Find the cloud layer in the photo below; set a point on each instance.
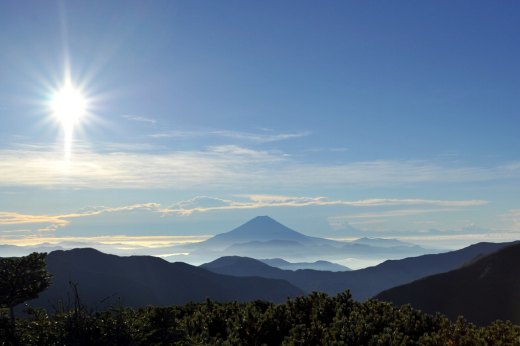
(205, 203)
(221, 166)
(202, 204)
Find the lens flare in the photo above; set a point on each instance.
(68, 106)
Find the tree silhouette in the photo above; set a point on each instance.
(22, 279)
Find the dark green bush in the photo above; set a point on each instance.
(316, 319)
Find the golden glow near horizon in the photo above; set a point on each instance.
(121, 240)
(68, 106)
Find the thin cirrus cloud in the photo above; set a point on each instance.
(399, 213)
(119, 240)
(13, 218)
(53, 222)
(221, 166)
(456, 240)
(256, 137)
(511, 220)
(140, 119)
(379, 217)
(202, 204)
(215, 166)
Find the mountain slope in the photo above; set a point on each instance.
(260, 229)
(264, 237)
(482, 291)
(143, 280)
(243, 266)
(317, 265)
(363, 283)
(381, 242)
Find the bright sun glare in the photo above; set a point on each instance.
(68, 106)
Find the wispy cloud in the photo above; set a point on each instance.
(345, 222)
(145, 241)
(456, 240)
(515, 216)
(257, 137)
(140, 119)
(398, 213)
(53, 222)
(16, 231)
(366, 222)
(414, 207)
(202, 204)
(331, 150)
(220, 166)
(13, 218)
(449, 240)
(216, 166)
(512, 220)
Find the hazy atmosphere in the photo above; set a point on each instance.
(136, 125)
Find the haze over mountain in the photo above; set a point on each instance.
(363, 283)
(104, 280)
(264, 237)
(259, 229)
(318, 265)
(381, 242)
(261, 237)
(482, 291)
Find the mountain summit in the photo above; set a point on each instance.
(261, 229)
(264, 237)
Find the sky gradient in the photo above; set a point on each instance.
(339, 119)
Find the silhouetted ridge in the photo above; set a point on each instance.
(317, 265)
(243, 266)
(147, 280)
(483, 291)
(363, 283)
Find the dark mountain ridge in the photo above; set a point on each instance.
(317, 265)
(363, 283)
(482, 291)
(144, 280)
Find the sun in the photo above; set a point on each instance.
(68, 106)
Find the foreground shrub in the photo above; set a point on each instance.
(316, 319)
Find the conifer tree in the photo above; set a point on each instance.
(22, 279)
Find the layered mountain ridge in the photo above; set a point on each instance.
(484, 290)
(363, 283)
(264, 237)
(102, 280)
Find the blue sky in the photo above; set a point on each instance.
(339, 119)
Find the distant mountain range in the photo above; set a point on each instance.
(381, 242)
(483, 291)
(263, 237)
(104, 280)
(363, 283)
(318, 265)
